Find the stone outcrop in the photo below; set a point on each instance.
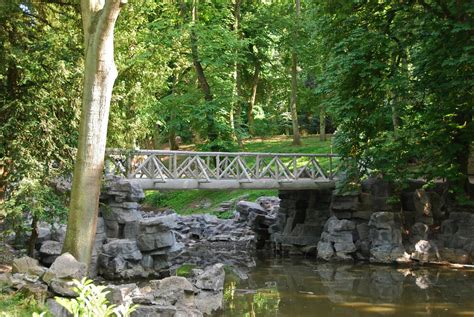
(301, 218)
(337, 240)
(382, 229)
(385, 236)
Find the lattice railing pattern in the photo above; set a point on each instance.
(207, 166)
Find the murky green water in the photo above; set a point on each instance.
(301, 287)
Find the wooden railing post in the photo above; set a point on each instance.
(174, 170)
(128, 172)
(295, 168)
(330, 167)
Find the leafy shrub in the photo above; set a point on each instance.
(32, 201)
(92, 302)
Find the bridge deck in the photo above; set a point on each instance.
(153, 169)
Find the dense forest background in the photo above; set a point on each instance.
(393, 80)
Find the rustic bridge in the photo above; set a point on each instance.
(153, 169)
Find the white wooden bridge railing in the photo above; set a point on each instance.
(155, 169)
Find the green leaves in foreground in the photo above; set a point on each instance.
(92, 302)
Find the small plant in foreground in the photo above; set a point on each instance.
(92, 302)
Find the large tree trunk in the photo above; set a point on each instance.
(294, 87)
(99, 75)
(253, 98)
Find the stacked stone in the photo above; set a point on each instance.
(136, 246)
(301, 219)
(337, 240)
(258, 218)
(385, 236)
(456, 240)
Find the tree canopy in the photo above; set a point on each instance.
(392, 79)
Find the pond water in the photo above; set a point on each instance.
(299, 287)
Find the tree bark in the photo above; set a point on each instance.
(236, 111)
(294, 85)
(206, 89)
(322, 124)
(100, 72)
(253, 98)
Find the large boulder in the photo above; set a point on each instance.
(62, 272)
(211, 279)
(65, 267)
(27, 265)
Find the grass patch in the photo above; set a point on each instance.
(186, 202)
(16, 304)
(311, 144)
(185, 270)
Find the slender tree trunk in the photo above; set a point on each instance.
(98, 19)
(236, 111)
(174, 146)
(294, 86)
(322, 123)
(206, 89)
(203, 83)
(253, 98)
(33, 237)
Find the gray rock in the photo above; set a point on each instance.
(65, 267)
(387, 254)
(56, 309)
(176, 291)
(335, 225)
(27, 265)
(382, 220)
(344, 202)
(455, 256)
(62, 287)
(147, 261)
(124, 248)
(149, 242)
(122, 294)
(158, 224)
(51, 248)
(212, 279)
(209, 302)
(58, 233)
(345, 247)
(325, 250)
(131, 230)
(154, 311)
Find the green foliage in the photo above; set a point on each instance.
(397, 81)
(32, 199)
(198, 201)
(92, 302)
(17, 305)
(185, 270)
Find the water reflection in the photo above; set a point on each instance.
(305, 288)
